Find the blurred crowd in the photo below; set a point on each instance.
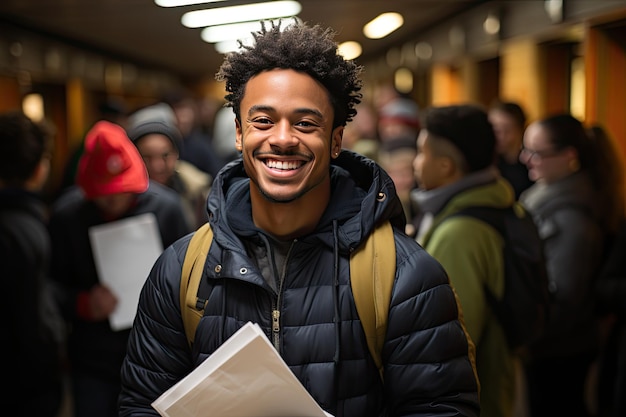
(162, 159)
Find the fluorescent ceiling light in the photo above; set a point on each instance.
(242, 13)
(383, 25)
(491, 25)
(232, 45)
(219, 33)
(178, 3)
(350, 50)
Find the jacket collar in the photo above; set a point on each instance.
(362, 196)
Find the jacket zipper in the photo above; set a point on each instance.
(276, 307)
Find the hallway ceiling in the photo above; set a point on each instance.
(142, 32)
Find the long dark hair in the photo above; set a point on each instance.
(597, 155)
(611, 168)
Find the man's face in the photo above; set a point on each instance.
(508, 133)
(286, 136)
(430, 166)
(114, 206)
(159, 155)
(544, 162)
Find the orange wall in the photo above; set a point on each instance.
(605, 62)
(522, 78)
(10, 96)
(445, 85)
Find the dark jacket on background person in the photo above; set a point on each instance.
(93, 347)
(566, 215)
(32, 337)
(196, 149)
(421, 378)
(611, 302)
(516, 174)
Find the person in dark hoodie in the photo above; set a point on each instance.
(32, 337)
(285, 219)
(112, 184)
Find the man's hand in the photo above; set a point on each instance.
(102, 302)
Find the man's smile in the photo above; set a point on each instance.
(283, 165)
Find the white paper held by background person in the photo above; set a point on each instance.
(124, 252)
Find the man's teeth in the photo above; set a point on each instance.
(283, 164)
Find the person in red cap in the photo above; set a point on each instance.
(111, 183)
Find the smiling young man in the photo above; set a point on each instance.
(285, 218)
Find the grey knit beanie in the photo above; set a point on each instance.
(158, 118)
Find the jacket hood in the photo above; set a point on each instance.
(362, 196)
(481, 188)
(497, 193)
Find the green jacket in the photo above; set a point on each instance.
(471, 252)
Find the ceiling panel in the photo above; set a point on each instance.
(146, 33)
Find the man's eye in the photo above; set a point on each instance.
(307, 123)
(261, 120)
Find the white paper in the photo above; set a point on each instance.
(244, 377)
(124, 252)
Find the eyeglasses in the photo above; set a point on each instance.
(527, 155)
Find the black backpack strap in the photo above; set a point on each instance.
(493, 216)
(202, 296)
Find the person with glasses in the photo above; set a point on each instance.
(574, 206)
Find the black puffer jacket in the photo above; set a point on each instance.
(427, 365)
(31, 334)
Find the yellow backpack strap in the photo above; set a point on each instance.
(372, 273)
(193, 266)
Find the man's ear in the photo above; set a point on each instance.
(238, 136)
(443, 162)
(39, 176)
(447, 166)
(336, 141)
(572, 157)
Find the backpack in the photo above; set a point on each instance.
(372, 273)
(524, 307)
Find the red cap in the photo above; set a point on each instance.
(110, 163)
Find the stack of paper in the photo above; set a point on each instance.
(245, 377)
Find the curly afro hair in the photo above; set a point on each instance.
(298, 46)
